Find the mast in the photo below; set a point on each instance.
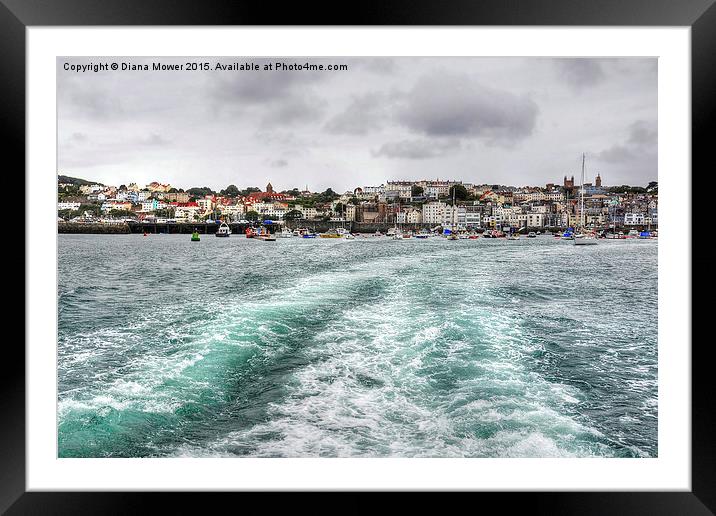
(453, 208)
(581, 197)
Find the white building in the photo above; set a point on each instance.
(186, 213)
(68, 206)
(434, 212)
(634, 219)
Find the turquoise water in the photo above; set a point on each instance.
(372, 347)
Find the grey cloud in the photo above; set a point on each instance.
(379, 65)
(616, 154)
(455, 105)
(416, 149)
(154, 140)
(280, 97)
(580, 73)
(293, 111)
(278, 163)
(639, 145)
(363, 115)
(257, 87)
(643, 133)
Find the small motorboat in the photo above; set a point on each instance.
(531, 234)
(250, 233)
(224, 230)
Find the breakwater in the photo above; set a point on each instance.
(207, 229)
(101, 229)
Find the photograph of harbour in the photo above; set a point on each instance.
(357, 257)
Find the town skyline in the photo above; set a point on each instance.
(307, 187)
(488, 120)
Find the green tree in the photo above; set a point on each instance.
(339, 208)
(416, 191)
(293, 215)
(252, 215)
(230, 191)
(460, 192)
(327, 196)
(94, 209)
(167, 213)
(200, 191)
(248, 191)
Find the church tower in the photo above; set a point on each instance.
(269, 188)
(598, 181)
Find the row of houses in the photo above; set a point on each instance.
(395, 202)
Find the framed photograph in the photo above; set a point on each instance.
(426, 251)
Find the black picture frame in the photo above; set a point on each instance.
(699, 15)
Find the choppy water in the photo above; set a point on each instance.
(372, 347)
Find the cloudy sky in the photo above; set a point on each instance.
(515, 121)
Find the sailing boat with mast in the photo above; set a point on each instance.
(582, 238)
(453, 233)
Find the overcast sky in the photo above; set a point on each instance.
(514, 121)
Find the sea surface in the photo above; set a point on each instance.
(366, 348)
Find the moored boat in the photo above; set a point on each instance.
(224, 230)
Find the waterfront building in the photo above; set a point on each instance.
(433, 212)
(68, 205)
(150, 205)
(634, 219)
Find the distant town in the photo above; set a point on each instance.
(433, 202)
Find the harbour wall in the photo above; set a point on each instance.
(206, 229)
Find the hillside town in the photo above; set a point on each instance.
(434, 202)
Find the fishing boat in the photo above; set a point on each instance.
(250, 233)
(331, 233)
(513, 236)
(285, 233)
(224, 230)
(308, 235)
(265, 235)
(195, 236)
(645, 234)
(583, 238)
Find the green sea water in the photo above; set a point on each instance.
(366, 348)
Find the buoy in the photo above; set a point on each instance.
(195, 236)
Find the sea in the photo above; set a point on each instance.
(373, 347)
